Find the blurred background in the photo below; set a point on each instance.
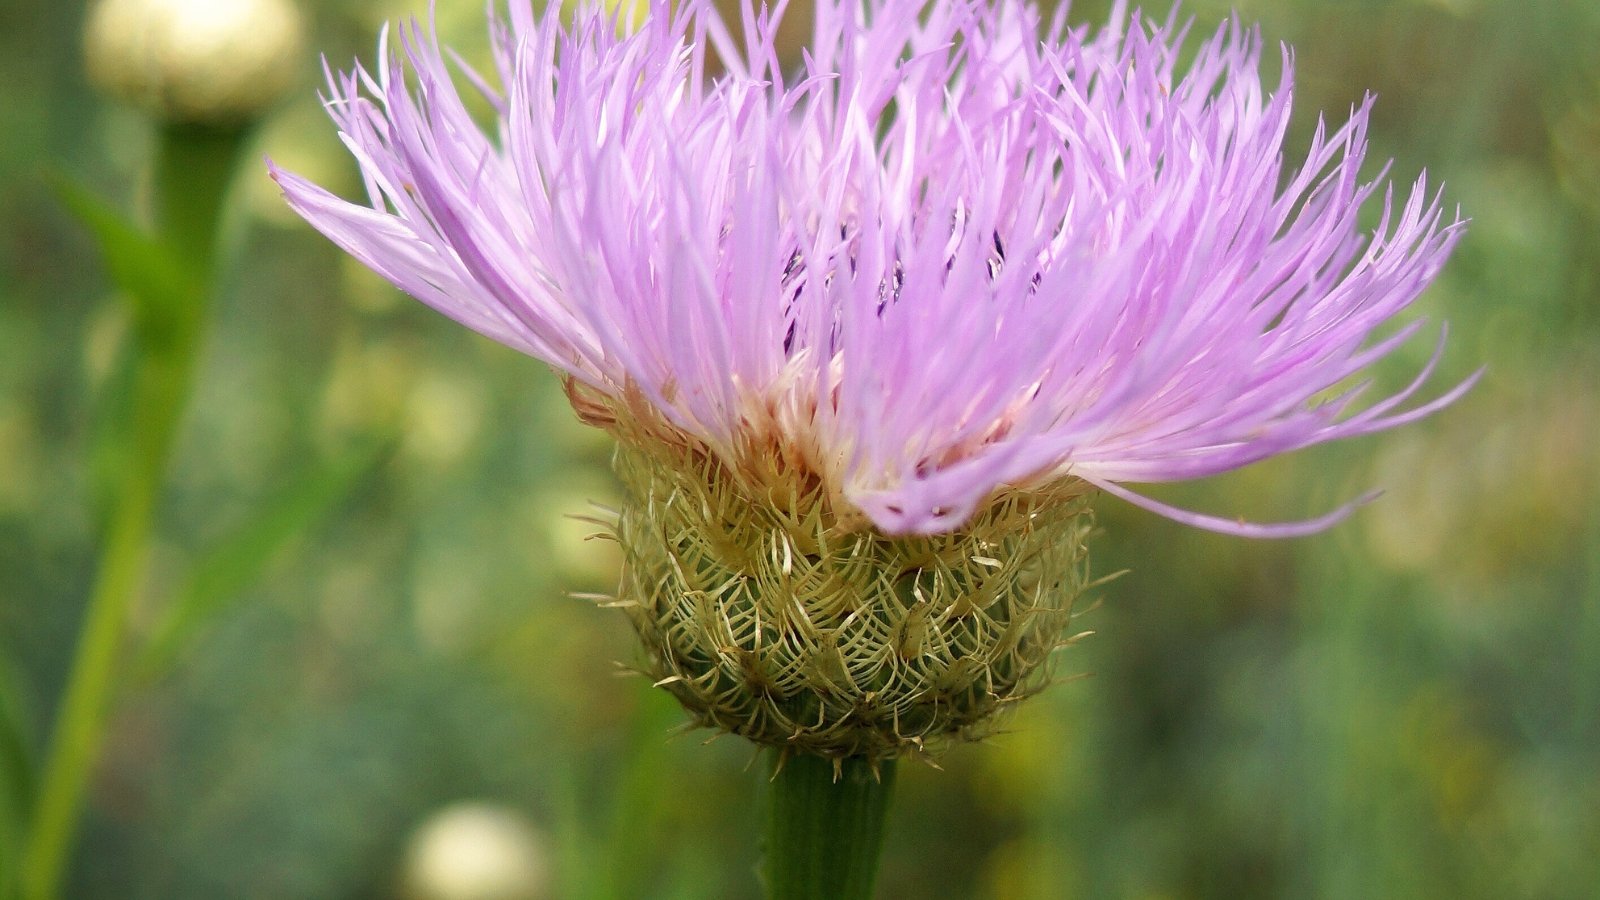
(1407, 706)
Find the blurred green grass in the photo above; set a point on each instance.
(1408, 706)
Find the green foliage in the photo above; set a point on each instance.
(227, 570)
(17, 776)
(1406, 707)
(163, 291)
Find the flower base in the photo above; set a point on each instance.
(771, 614)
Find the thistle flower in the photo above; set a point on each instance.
(870, 333)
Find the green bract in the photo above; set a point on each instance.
(769, 615)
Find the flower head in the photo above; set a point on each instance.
(863, 325)
(955, 251)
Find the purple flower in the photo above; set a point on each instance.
(959, 249)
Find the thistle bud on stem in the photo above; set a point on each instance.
(199, 61)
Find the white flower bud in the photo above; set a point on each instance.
(476, 851)
(210, 61)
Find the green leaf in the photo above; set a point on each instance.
(166, 295)
(234, 564)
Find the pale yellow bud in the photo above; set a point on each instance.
(206, 61)
(476, 851)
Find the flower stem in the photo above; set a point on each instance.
(194, 166)
(824, 828)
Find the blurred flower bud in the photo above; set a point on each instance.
(203, 61)
(476, 851)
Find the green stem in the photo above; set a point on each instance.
(824, 835)
(193, 169)
(81, 721)
(192, 173)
